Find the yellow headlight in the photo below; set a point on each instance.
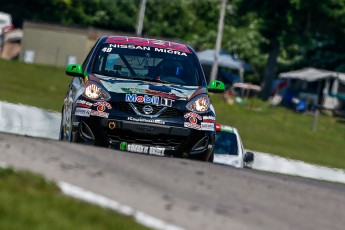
(200, 104)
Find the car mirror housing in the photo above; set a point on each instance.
(74, 70)
(216, 86)
(248, 157)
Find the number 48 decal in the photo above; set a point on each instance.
(108, 50)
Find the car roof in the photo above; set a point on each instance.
(161, 44)
(227, 128)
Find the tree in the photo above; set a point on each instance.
(299, 33)
(274, 24)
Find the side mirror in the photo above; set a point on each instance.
(216, 86)
(74, 70)
(248, 158)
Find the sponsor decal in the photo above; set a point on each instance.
(83, 103)
(156, 151)
(142, 99)
(99, 113)
(192, 125)
(162, 94)
(104, 103)
(207, 126)
(154, 121)
(135, 47)
(169, 51)
(145, 149)
(193, 120)
(83, 112)
(133, 90)
(155, 100)
(101, 108)
(137, 148)
(209, 118)
(166, 102)
(147, 43)
(191, 114)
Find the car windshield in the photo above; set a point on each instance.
(226, 143)
(150, 64)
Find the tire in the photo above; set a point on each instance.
(62, 131)
(71, 136)
(205, 156)
(211, 157)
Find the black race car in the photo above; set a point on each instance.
(141, 95)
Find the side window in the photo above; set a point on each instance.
(98, 66)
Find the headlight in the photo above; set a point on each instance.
(199, 104)
(96, 92)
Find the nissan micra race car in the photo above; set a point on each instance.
(141, 95)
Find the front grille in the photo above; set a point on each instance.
(132, 137)
(139, 107)
(169, 112)
(124, 107)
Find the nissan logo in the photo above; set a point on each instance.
(147, 109)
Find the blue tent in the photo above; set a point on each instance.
(227, 60)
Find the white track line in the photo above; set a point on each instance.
(93, 198)
(142, 218)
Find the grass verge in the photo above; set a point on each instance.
(284, 132)
(31, 84)
(28, 201)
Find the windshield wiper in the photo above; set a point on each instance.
(100, 73)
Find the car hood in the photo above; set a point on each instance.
(170, 91)
(226, 159)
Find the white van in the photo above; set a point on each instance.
(5, 22)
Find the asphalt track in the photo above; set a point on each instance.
(189, 194)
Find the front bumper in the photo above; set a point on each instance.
(147, 138)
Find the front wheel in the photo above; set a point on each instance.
(211, 157)
(206, 156)
(66, 128)
(62, 128)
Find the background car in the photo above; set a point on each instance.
(229, 149)
(141, 95)
(5, 22)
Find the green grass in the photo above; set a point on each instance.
(41, 86)
(283, 132)
(27, 201)
(275, 130)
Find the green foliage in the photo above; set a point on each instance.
(308, 33)
(28, 201)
